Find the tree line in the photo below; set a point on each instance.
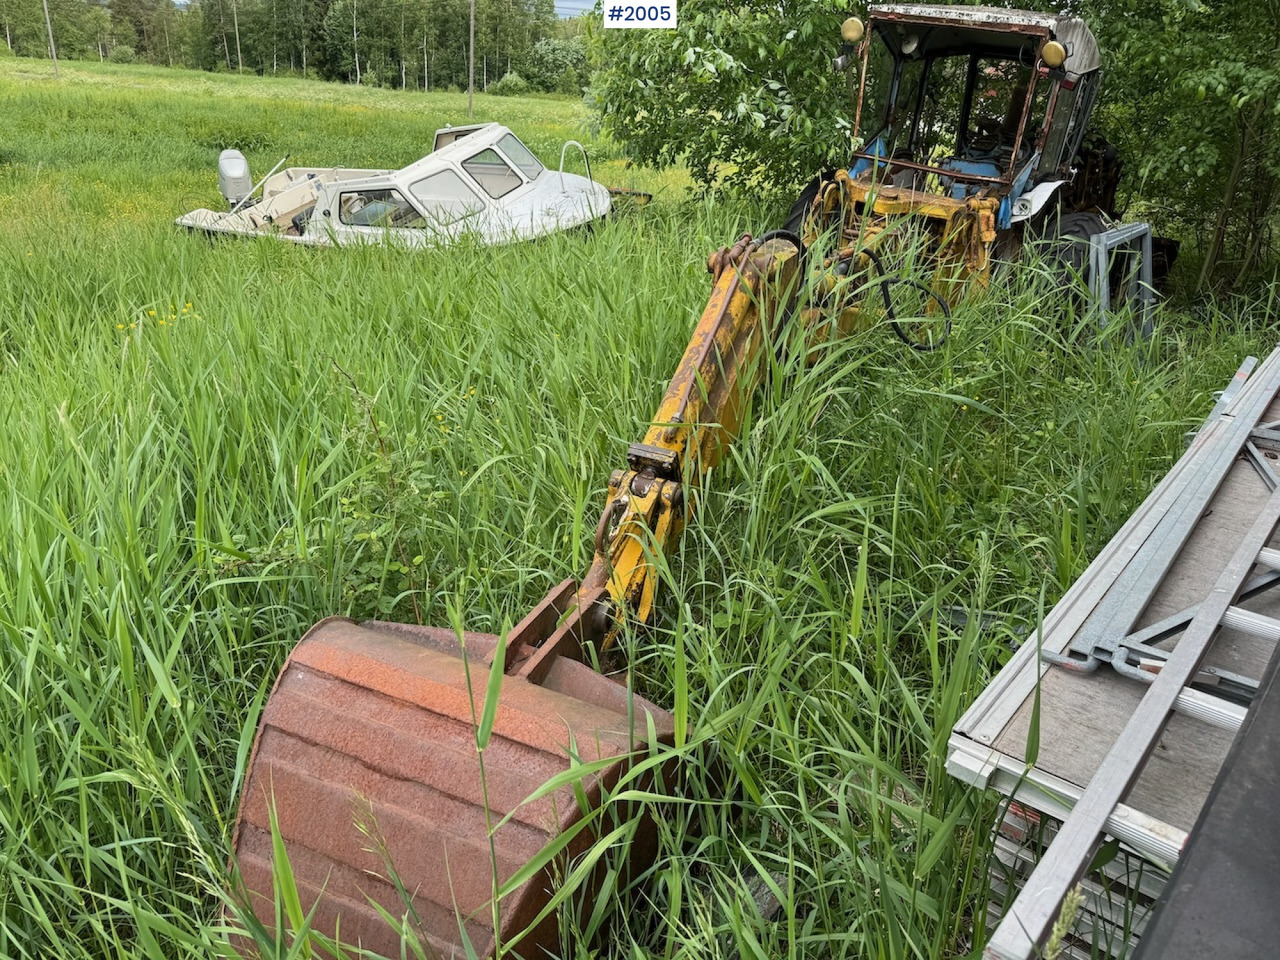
(414, 44)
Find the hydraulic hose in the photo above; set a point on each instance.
(886, 282)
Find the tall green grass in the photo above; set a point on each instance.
(208, 446)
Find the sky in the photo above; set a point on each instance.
(571, 8)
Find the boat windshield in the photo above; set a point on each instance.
(377, 208)
(521, 156)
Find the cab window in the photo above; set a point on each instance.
(492, 173)
(377, 208)
(445, 198)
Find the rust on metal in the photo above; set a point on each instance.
(1022, 121)
(987, 19)
(924, 167)
(538, 623)
(368, 742)
(864, 53)
(584, 624)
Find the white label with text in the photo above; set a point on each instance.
(659, 14)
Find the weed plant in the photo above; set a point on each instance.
(208, 446)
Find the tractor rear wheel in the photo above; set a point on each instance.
(1063, 242)
(1065, 246)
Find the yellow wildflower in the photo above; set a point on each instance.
(151, 313)
(119, 326)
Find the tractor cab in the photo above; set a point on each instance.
(964, 102)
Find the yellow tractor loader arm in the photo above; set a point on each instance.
(365, 760)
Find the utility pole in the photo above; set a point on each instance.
(53, 51)
(471, 62)
(222, 25)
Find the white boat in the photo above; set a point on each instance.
(478, 181)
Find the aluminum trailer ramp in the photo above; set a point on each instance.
(1221, 899)
(1137, 755)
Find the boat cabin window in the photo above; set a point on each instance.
(451, 134)
(521, 156)
(492, 173)
(377, 208)
(445, 198)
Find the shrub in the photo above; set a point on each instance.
(511, 85)
(122, 53)
(570, 82)
(557, 64)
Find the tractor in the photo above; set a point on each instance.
(972, 125)
(421, 774)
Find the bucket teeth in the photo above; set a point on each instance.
(367, 750)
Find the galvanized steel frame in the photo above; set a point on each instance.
(1141, 290)
(1100, 638)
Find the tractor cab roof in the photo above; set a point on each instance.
(940, 31)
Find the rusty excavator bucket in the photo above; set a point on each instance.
(366, 752)
(373, 722)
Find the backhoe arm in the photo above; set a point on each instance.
(650, 501)
(755, 282)
(395, 721)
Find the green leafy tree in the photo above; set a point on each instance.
(1192, 99)
(557, 63)
(511, 85)
(747, 86)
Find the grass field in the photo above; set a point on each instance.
(209, 446)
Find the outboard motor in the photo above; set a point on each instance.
(234, 182)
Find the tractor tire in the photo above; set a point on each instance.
(1063, 242)
(800, 209)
